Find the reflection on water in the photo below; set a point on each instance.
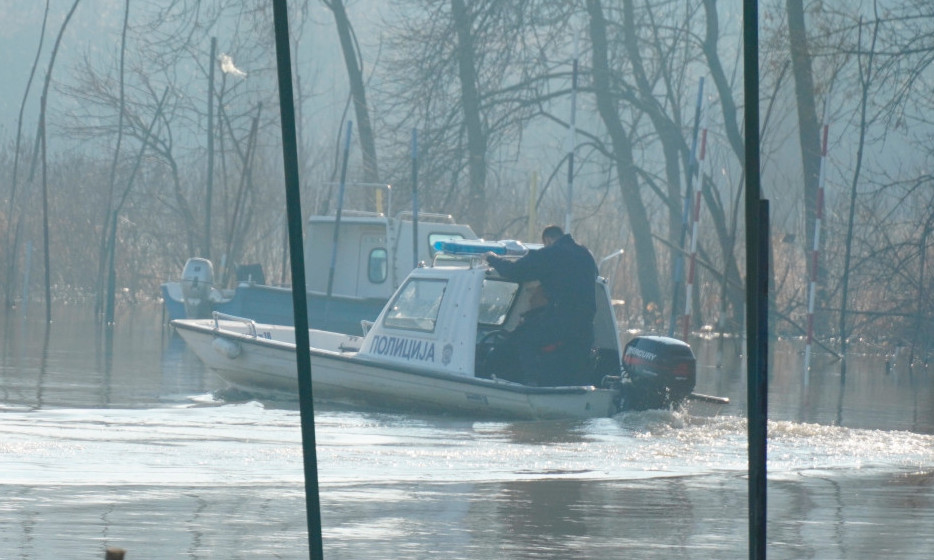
(877, 391)
(121, 438)
(73, 362)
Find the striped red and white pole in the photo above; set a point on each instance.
(815, 249)
(695, 219)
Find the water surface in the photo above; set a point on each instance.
(127, 441)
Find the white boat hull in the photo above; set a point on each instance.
(263, 364)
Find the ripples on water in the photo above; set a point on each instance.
(137, 450)
(250, 444)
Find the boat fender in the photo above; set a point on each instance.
(226, 348)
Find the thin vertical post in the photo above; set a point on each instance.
(45, 216)
(111, 303)
(572, 141)
(533, 207)
(299, 294)
(27, 266)
(206, 250)
(678, 275)
(815, 249)
(698, 153)
(337, 221)
(757, 326)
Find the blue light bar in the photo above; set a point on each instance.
(479, 247)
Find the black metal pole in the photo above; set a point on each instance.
(299, 294)
(756, 290)
(758, 391)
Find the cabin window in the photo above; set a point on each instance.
(377, 268)
(496, 298)
(435, 237)
(416, 305)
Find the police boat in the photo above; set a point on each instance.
(433, 348)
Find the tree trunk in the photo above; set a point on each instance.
(646, 264)
(809, 141)
(357, 90)
(470, 102)
(730, 123)
(865, 79)
(44, 139)
(673, 146)
(12, 245)
(731, 289)
(808, 125)
(106, 251)
(726, 227)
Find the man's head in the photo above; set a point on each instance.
(551, 234)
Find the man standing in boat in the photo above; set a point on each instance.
(553, 348)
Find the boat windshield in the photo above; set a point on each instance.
(495, 300)
(416, 305)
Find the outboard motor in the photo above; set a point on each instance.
(197, 281)
(658, 372)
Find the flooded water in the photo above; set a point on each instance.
(127, 441)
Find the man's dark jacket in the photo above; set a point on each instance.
(567, 272)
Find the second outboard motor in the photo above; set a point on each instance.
(658, 372)
(197, 281)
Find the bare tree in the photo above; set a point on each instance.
(106, 258)
(470, 103)
(42, 136)
(469, 77)
(808, 123)
(647, 269)
(353, 61)
(725, 212)
(12, 239)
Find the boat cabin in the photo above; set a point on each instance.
(456, 315)
(374, 253)
(349, 275)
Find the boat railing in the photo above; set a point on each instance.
(353, 213)
(383, 198)
(250, 324)
(426, 217)
(462, 261)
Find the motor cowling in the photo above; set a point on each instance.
(658, 372)
(197, 282)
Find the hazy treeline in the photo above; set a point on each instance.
(145, 163)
